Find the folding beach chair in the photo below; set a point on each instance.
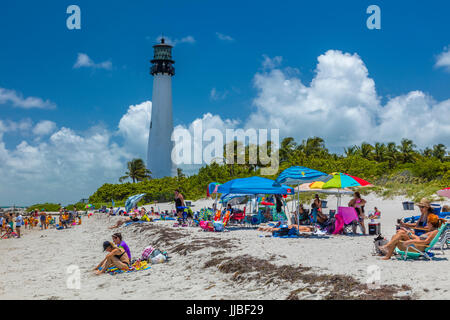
(349, 219)
(437, 242)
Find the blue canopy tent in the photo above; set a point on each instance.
(298, 174)
(253, 185)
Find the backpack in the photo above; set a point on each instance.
(379, 242)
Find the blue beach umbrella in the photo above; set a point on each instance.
(298, 174)
(131, 201)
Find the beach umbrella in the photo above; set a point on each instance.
(88, 206)
(444, 192)
(212, 188)
(316, 185)
(307, 187)
(342, 180)
(132, 201)
(298, 174)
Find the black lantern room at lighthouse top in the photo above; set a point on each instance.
(162, 62)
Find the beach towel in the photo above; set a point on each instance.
(348, 214)
(339, 224)
(131, 222)
(136, 266)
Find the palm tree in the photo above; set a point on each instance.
(391, 154)
(439, 151)
(406, 149)
(366, 150)
(137, 171)
(427, 152)
(379, 152)
(287, 147)
(180, 173)
(313, 146)
(351, 151)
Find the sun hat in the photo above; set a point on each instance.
(424, 203)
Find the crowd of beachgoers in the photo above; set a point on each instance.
(113, 231)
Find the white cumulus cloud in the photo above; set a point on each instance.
(44, 127)
(134, 127)
(443, 59)
(16, 99)
(84, 61)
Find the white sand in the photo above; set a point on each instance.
(34, 267)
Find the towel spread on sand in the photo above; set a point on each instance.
(137, 266)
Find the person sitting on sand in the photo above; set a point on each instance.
(133, 218)
(446, 208)
(376, 214)
(118, 241)
(420, 226)
(403, 239)
(116, 257)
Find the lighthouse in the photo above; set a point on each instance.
(160, 144)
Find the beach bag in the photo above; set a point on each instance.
(157, 256)
(146, 254)
(379, 242)
(284, 231)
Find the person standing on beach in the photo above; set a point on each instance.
(11, 221)
(19, 223)
(358, 203)
(179, 203)
(43, 219)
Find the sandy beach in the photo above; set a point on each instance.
(237, 264)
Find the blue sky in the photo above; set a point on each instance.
(220, 47)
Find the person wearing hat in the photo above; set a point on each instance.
(403, 239)
(116, 257)
(421, 225)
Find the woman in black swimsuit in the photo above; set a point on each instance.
(179, 203)
(116, 257)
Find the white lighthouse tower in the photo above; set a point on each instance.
(159, 159)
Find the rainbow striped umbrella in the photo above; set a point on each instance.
(344, 180)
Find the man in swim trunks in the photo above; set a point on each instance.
(43, 219)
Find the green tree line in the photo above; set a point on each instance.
(380, 163)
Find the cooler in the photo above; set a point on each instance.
(374, 228)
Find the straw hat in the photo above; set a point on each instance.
(424, 203)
